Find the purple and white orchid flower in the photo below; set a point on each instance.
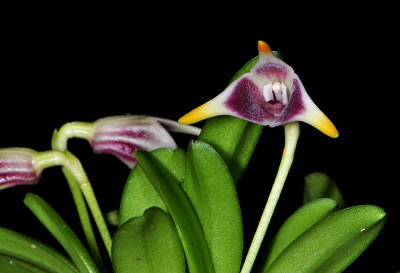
(271, 94)
(121, 136)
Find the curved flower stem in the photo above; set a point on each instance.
(292, 132)
(59, 143)
(68, 130)
(74, 167)
(84, 218)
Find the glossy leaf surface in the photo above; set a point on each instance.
(297, 223)
(320, 185)
(13, 265)
(233, 138)
(148, 244)
(333, 243)
(211, 190)
(20, 249)
(62, 232)
(139, 194)
(186, 221)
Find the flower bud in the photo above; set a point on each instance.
(17, 167)
(121, 136)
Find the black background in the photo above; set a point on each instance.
(61, 64)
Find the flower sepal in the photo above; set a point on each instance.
(271, 94)
(121, 136)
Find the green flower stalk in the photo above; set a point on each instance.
(23, 166)
(292, 133)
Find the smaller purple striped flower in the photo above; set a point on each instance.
(17, 167)
(121, 136)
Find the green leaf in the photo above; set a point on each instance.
(245, 69)
(319, 185)
(188, 225)
(297, 223)
(148, 244)
(333, 243)
(14, 265)
(62, 232)
(233, 138)
(139, 194)
(18, 248)
(211, 190)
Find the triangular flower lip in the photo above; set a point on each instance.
(271, 94)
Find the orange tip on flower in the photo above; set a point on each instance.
(263, 47)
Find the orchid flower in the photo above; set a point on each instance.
(121, 136)
(271, 94)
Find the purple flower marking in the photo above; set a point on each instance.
(273, 71)
(17, 168)
(121, 136)
(124, 132)
(247, 101)
(10, 179)
(123, 150)
(295, 106)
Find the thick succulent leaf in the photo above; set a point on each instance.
(139, 194)
(181, 210)
(62, 232)
(320, 185)
(297, 223)
(211, 190)
(18, 248)
(333, 243)
(147, 244)
(233, 138)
